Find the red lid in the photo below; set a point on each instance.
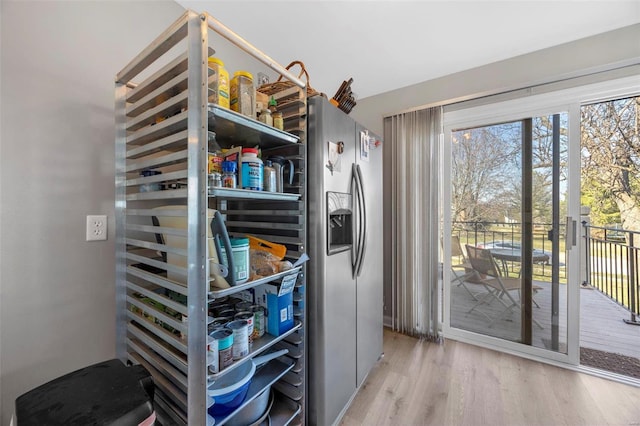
(249, 151)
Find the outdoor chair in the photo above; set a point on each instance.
(462, 271)
(499, 288)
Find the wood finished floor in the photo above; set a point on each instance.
(422, 383)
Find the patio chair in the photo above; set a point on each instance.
(498, 287)
(462, 271)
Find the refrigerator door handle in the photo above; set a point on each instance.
(363, 222)
(356, 234)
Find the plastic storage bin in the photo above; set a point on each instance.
(107, 393)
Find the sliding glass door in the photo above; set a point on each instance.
(511, 187)
(507, 233)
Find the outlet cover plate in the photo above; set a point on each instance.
(96, 227)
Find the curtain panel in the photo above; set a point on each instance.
(412, 220)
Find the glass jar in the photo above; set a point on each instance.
(278, 121)
(243, 94)
(215, 180)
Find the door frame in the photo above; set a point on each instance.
(535, 105)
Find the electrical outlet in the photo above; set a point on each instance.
(96, 228)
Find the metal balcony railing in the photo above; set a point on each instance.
(612, 256)
(487, 234)
(612, 265)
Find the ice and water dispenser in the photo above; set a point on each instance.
(339, 222)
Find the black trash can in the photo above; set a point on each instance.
(107, 393)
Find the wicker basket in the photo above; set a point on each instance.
(280, 85)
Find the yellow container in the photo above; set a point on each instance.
(218, 83)
(243, 94)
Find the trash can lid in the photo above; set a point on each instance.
(107, 393)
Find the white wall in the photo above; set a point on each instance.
(57, 292)
(582, 56)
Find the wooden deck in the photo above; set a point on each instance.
(601, 320)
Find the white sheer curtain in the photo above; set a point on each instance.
(412, 158)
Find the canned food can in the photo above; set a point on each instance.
(224, 300)
(219, 322)
(243, 306)
(212, 354)
(258, 321)
(224, 342)
(215, 310)
(248, 317)
(240, 330)
(230, 312)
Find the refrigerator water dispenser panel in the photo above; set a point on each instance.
(339, 222)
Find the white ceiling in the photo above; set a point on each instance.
(385, 45)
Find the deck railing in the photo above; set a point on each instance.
(484, 233)
(612, 256)
(612, 265)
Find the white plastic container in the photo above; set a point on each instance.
(240, 253)
(252, 169)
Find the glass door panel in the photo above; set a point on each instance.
(508, 196)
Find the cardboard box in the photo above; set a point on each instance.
(279, 308)
(262, 101)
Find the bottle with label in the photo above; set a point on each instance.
(252, 169)
(229, 174)
(265, 117)
(215, 155)
(273, 105)
(270, 181)
(243, 94)
(220, 84)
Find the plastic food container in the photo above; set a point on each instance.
(240, 253)
(252, 170)
(243, 94)
(220, 84)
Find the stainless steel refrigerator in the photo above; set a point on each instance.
(346, 268)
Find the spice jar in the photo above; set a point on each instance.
(215, 180)
(265, 117)
(229, 174)
(243, 94)
(278, 121)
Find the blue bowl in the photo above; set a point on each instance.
(225, 404)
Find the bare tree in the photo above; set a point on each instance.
(487, 171)
(611, 156)
(483, 164)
